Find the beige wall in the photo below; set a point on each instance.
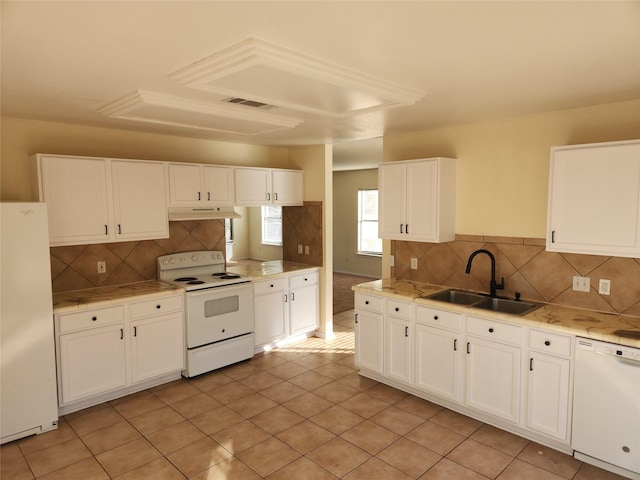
(345, 223)
(21, 138)
(503, 165)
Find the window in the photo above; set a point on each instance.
(368, 241)
(272, 225)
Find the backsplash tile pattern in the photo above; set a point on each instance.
(302, 226)
(526, 267)
(75, 267)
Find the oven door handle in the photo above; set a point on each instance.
(222, 290)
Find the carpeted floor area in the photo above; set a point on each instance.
(342, 293)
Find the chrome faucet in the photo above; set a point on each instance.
(493, 286)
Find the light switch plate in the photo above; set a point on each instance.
(581, 284)
(414, 263)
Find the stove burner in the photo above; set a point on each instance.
(184, 279)
(195, 282)
(225, 276)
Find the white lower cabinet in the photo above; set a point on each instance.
(92, 361)
(285, 306)
(474, 365)
(549, 384)
(104, 353)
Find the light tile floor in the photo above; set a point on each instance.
(298, 412)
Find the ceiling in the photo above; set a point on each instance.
(330, 72)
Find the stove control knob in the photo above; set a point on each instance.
(165, 262)
(172, 260)
(194, 257)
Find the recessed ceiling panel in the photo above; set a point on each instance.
(267, 73)
(153, 107)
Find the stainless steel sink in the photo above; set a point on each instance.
(507, 306)
(479, 300)
(459, 297)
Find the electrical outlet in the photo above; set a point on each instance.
(414, 263)
(392, 261)
(604, 287)
(102, 267)
(581, 284)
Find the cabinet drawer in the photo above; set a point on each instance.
(550, 342)
(439, 318)
(398, 309)
(310, 278)
(368, 302)
(493, 330)
(90, 318)
(156, 306)
(269, 286)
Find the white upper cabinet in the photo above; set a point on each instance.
(194, 185)
(417, 200)
(594, 199)
(98, 200)
(265, 186)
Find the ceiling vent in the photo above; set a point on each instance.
(163, 109)
(249, 103)
(275, 75)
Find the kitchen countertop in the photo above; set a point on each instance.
(582, 322)
(270, 269)
(101, 296)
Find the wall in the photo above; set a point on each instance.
(345, 222)
(21, 138)
(502, 184)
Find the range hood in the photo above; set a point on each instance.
(201, 213)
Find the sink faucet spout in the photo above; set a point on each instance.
(493, 286)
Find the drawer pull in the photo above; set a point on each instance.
(547, 343)
(397, 309)
(158, 307)
(94, 318)
(271, 285)
(435, 317)
(306, 279)
(366, 302)
(491, 330)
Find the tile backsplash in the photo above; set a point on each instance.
(75, 267)
(526, 267)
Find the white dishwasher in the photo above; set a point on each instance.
(606, 406)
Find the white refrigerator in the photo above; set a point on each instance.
(28, 401)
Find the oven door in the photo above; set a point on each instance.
(216, 314)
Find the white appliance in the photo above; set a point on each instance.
(606, 406)
(28, 400)
(218, 309)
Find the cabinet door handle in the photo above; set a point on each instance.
(208, 196)
(553, 236)
(199, 196)
(406, 331)
(121, 334)
(135, 331)
(455, 344)
(356, 318)
(406, 228)
(269, 196)
(468, 349)
(275, 196)
(401, 228)
(119, 230)
(293, 296)
(531, 364)
(285, 298)
(106, 230)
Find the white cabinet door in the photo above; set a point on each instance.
(304, 309)
(270, 312)
(76, 191)
(438, 361)
(218, 188)
(392, 200)
(417, 200)
(157, 346)
(92, 362)
(185, 185)
(548, 395)
(287, 187)
(140, 200)
(493, 378)
(253, 186)
(398, 354)
(369, 341)
(594, 199)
